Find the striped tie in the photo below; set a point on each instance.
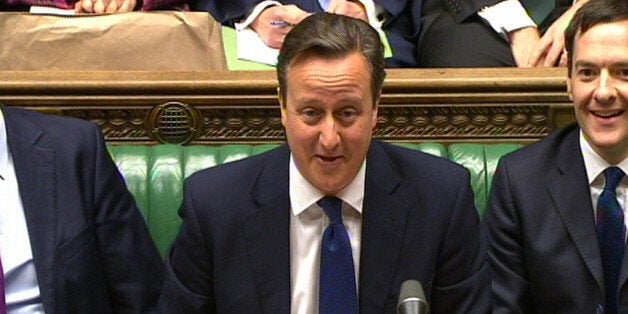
(611, 235)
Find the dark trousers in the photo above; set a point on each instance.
(472, 43)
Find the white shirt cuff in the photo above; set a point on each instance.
(506, 16)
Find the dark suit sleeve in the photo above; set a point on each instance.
(189, 280)
(462, 279)
(132, 265)
(225, 12)
(510, 285)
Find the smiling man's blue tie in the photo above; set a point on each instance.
(337, 289)
(611, 235)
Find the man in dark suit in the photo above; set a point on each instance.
(552, 202)
(253, 239)
(71, 237)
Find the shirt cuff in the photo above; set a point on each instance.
(506, 16)
(372, 12)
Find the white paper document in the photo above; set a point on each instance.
(250, 47)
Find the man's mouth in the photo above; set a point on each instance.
(607, 115)
(328, 158)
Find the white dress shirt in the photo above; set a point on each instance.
(595, 167)
(21, 287)
(307, 223)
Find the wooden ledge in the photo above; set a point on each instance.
(447, 105)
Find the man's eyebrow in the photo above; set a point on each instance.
(584, 63)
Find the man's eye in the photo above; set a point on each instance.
(309, 113)
(348, 115)
(586, 73)
(622, 73)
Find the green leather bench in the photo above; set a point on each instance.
(155, 174)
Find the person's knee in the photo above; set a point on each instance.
(468, 44)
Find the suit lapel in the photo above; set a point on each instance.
(267, 231)
(571, 196)
(35, 172)
(383, 222)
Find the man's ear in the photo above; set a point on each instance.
(375, 111)
(569, 89)
(280, 97)
(282, 105)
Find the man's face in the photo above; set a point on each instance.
(329, 115)
(598, 87)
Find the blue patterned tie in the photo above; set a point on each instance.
(337, 291)
(324, 4)
(611, 235)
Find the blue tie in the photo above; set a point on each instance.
(337, 291)
(324, 4)
(611, 235)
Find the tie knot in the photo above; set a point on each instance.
(332, 207)
(613, 176)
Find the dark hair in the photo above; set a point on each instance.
(333, 36)
(591, 14)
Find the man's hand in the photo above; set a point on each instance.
(552, 43)
(349, 8)
(551, 48)
(522, 43)
(104, 6)
(273, 35)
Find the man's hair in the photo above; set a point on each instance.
(333, 36)
(591, 14)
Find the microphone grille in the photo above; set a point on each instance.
(411, 289)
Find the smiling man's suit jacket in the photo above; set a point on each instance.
(545, 253)
(91, 248)
(402, 27)
(419, 222)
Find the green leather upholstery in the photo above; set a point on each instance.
(155, 174)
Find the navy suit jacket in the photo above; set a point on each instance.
(545, 253)
(91, 248)
(403, 27)
(232, 254)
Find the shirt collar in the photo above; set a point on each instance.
(594, 164)
(303, 194)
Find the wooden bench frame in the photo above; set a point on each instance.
(445, 105)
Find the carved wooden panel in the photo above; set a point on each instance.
(453, 105)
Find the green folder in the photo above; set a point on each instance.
(233, 63)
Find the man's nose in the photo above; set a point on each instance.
(605, 91)
(329, 136)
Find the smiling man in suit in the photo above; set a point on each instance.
(276, 232)
(71, 238)
(556, 216)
